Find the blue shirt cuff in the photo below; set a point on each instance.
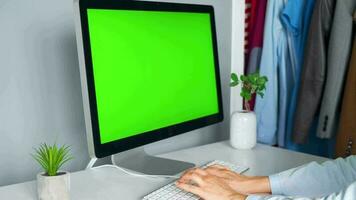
(275, 183)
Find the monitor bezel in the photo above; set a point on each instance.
(110, 148)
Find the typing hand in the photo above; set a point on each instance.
(241, 183)
(207, 186)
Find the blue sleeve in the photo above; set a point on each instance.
(315, 179)
(346, 194)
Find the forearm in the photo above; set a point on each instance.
(346, 194)
(315, 179)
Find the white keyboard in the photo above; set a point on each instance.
(171, 192)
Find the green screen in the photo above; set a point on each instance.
(152, 69)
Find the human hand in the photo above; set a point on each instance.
(207, 186)
(240, 183)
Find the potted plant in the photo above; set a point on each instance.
(52, 184)
(243, 127)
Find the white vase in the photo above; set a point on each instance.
(243, 130)
(53, 187)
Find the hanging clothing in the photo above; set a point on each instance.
(248, 21)
(346, 136)
(255, 39)
(250, 14)
(313, 70)
(255, 24)
(296, 19)
(338, 56)
(274, 64)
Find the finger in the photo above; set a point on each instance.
(219, 167)
(192, 178)
(187, 171)
(190, 172)
(190, 188)
(218, 170)
(200, 172)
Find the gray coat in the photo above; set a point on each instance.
(314, 67)
(337, 63)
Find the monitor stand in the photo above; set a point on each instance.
(139, 161)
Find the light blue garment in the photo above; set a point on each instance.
(332, 180)
(275, 65)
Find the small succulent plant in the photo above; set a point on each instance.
(52, 157)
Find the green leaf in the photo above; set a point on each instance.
(243, 78)
(246, 93)
(260, 94)
(234, 77)
(253, 78)
(233, 84)
(262, 81)
(235, 80)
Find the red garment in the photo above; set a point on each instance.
(254, 27)
(250, 12)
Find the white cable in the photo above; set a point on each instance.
(91, 163)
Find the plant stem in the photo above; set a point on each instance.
(247, 105)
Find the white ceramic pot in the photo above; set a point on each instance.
(243, 130)
(53, 187)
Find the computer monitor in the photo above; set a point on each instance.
(149, 71)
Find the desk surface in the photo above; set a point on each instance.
(108, 183)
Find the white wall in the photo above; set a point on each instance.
(40, 97)
(237, 50)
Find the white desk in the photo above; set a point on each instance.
(112, 184)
